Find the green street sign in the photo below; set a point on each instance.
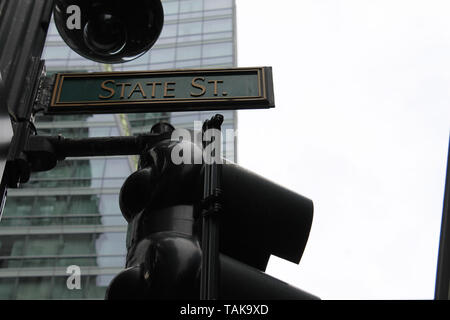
(159, 91)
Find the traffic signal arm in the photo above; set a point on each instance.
(41, 153)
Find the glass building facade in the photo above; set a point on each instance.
(70, 215)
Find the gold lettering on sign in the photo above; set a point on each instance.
(215, 85)
(166, 89)
(135, 89)
(122, 92)
(104, 87)
(153, 84)
(198, 86)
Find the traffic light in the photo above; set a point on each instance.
(162, 203)
(109, 31)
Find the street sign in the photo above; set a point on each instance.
(159, 91)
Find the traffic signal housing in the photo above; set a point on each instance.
(162, 203)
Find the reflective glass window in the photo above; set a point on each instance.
(60, 290)
(109, 204)
(188, 63)
(170, 7)
(218, 35)
(218, 25)
(191, 5)
(189, 52)
(217, 4)
(190, 28)
(162, 55)
(228, 60)
(18, 206)
(99, 117)
(217, 49)
(97, 167)
(56, 52)
(50, 205)
(12, 245)
(110, 243)
(76, 244)
(7, 288)
(34, 288)
(190, 38)
(97, 286)
(38, 245)
(169, 30)
(117, 168)
(111, 261)
(78, 261)
(83, 205)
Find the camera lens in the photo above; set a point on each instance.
(106, 35)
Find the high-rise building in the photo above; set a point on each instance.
(70, 215)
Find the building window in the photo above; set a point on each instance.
(188, 52)
(217, 50)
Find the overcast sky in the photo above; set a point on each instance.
(361, 127)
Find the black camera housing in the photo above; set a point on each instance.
(110, 31)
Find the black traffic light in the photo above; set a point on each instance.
(109, 31)
(162, 203)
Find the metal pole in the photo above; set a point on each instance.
(442, 289)
(43, 152)
(210, 273)
(23, 29)
(6, 134)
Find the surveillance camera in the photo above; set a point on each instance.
(109, 31)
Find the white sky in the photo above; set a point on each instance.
(361, 127)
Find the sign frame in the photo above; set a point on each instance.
(264, 99)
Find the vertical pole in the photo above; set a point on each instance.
(23, 29)
(6, 134)
(442, 289)
(210, 274)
